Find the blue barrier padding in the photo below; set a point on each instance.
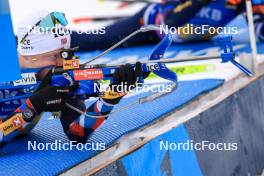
(16, 159)
(9, 60)
(161, 157)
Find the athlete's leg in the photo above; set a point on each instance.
(114, 33)
(176, 13)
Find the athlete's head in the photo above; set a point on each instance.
(41, 38)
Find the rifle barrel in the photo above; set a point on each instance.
(174, 60)
(60, 70)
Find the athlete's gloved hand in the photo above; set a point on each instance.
(127, 77)
(124, 80)
(50, 98)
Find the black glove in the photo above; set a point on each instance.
(127, 77)
(50, 98)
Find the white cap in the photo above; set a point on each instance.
(39, 42)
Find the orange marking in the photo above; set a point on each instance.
(123, 5)
(141, 21)
(81, 20)
(258, 9)
(29, 104)
(234, 2)
(76, 129)
(18, 110)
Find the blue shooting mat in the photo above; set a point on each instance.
(16, 159)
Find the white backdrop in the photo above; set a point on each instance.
(72, 8)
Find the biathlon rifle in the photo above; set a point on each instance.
(72, 71)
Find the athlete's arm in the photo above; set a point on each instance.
(79, 127)
(48, 99)
(20, 122)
